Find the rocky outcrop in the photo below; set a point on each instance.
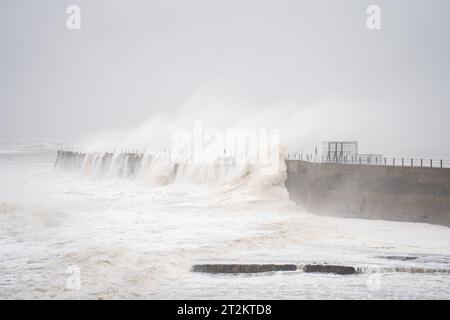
(242, 268)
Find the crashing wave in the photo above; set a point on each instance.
(160, 169)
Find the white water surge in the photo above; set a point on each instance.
(137, 234)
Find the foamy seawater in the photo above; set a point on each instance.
(137, 238)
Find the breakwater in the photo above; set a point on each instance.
(371, 192)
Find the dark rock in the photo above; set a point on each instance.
(400, 258)
(329, 268)
(242, 268)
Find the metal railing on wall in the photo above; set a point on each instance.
(381, 161)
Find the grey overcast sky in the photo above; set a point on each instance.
(134, 60)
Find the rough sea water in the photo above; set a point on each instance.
(76, 234)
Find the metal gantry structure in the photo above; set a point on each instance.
(337, 151)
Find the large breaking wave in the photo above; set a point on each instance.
(159, 170)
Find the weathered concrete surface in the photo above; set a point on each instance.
(242, 268)
(371, 192)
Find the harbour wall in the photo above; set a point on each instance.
(371, 192)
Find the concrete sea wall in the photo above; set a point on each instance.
(371, 192)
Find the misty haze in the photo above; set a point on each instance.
(224, 149)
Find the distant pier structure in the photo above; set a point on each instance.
(123, 164)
